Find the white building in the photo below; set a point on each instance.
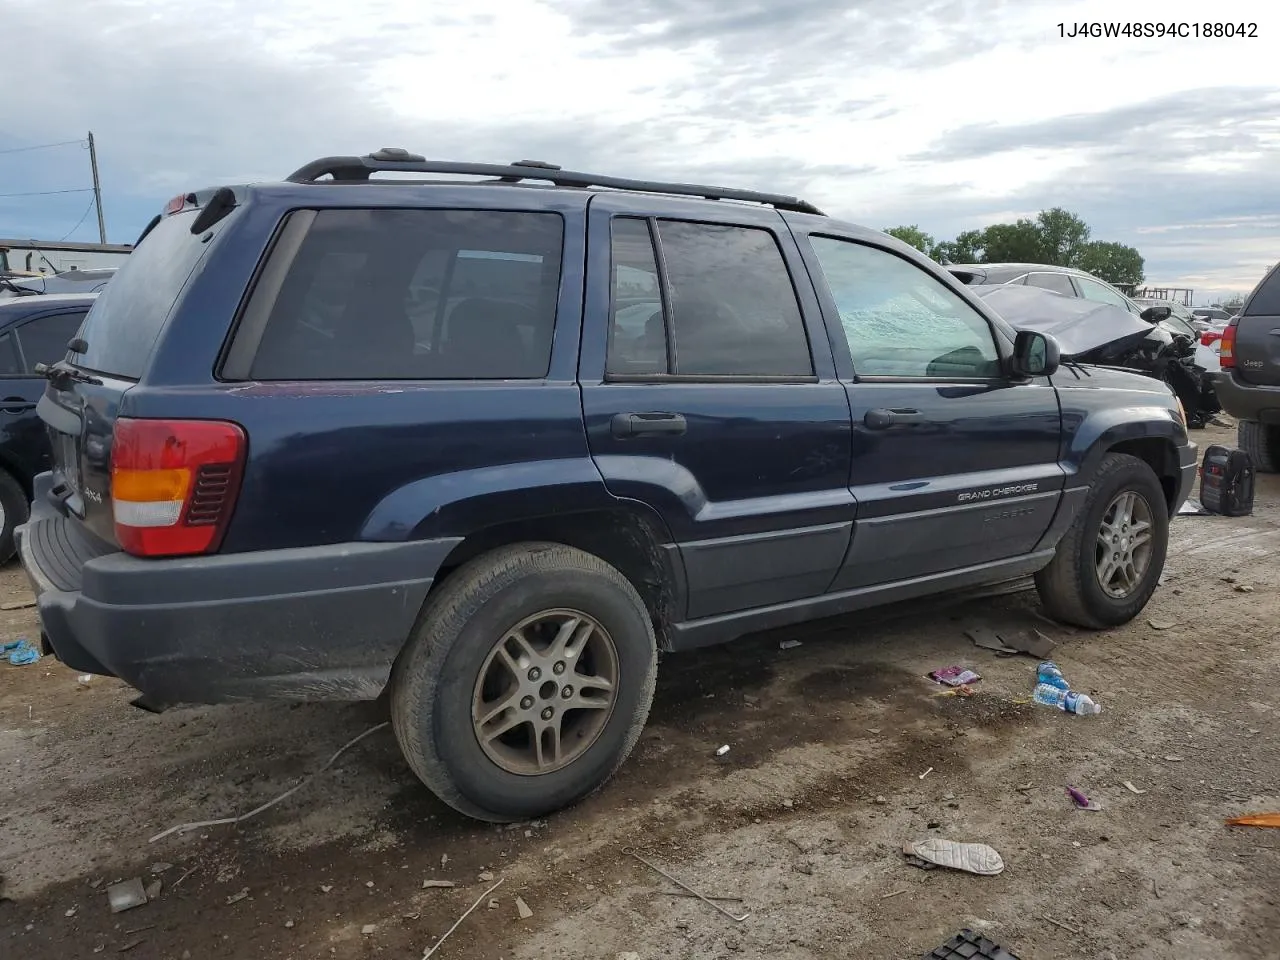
(38, 256)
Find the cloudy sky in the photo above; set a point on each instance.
(949, 114)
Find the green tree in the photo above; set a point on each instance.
(965, 248)
(1020, 242)
(1113, 262)
(1063, 237)
(913, 236)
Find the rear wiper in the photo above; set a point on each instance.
(59, 374)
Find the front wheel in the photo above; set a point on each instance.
(526, 683)
(1108, 564)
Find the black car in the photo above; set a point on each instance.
(488, 447)
(32, 330)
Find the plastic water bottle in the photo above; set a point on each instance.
(1049, 673)
(1068, 700)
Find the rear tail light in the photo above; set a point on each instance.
(174, 484)
(1209, 336)
(1227, 348)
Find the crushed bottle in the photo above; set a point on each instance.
(1049, 672)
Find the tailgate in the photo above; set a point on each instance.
(1257, 346)
(81, 416)
(112, 352)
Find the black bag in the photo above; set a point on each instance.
(1226, 482)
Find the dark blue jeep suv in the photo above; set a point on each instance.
(490, 440)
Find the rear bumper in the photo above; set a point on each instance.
(312, 623)
(1247, 401)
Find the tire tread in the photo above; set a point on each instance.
(1262, 443)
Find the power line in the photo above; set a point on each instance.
(81, 220)
(41, 146)
(46, 193)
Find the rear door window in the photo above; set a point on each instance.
(733, 308)
(44, 340)
(1265, 301)
(126, 319)
(416, 294)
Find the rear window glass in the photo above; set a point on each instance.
(124, 322)
(416, 295)
(1265, 301)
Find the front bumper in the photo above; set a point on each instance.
(311, 623)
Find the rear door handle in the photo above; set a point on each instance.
(882, 419)
(16, 405)
(648, 424)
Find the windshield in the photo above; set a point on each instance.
(125, 321)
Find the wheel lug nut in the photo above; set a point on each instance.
(558, 668)
(535, 673)
(567, 692)
(526, 703)
(548, 713)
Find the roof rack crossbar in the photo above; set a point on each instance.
(356, 169)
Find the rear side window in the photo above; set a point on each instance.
(1100, 293)
(1265, 301)
(414, 295)
(1057, 282)
(126, 319)
(733, 308)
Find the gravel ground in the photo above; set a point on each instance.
(804, 818)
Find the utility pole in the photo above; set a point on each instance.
(97, 190)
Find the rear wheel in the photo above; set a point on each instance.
(1262, 442)
(526, 683)
(1108, 564)
(14, 510)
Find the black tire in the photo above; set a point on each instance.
(16, 507)
(1069, 586)
(1262, 442)
(435, 678)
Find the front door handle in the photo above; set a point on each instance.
(16, 405)
(882, 419)
(648, 424)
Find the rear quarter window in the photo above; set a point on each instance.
(1265, 301)
(125, 321)
(409, 295)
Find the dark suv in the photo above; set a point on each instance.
(491, 445)
(1249, 384)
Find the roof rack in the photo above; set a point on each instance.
(396, 159)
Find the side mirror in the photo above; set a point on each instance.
(1035, 354)
(1156, 314)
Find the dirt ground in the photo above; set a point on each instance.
(803, 819)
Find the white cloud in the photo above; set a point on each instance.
(946, 113)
